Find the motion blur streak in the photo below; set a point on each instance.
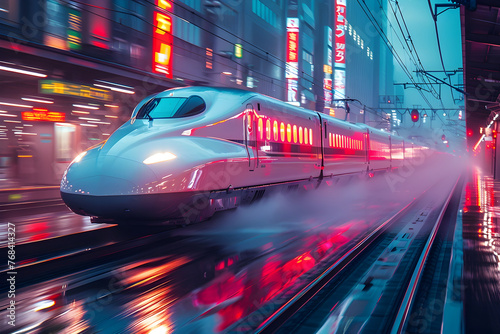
(150, 309)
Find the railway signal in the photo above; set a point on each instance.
(414, 115)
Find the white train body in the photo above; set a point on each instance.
(206, 149)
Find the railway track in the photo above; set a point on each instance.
(11, 210)
(379, 285)
(54, 257)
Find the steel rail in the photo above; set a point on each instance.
(306, 293)
(407, 303)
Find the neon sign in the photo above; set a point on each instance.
(162, 39)
(292, 59)
(339, 85)
(327, 67)
(74, 29)
(292, 44)
(238, 50)
(339, 80)
(340, 14)
(43, 115)
(66, 88)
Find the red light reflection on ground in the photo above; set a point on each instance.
(233, 296)
(36, 227)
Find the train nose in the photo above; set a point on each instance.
(108, 175)
(97, 187)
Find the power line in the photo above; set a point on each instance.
(439, 43)
(380, 31)
(435, 93)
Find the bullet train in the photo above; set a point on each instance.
(188, 152)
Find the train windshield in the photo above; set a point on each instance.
(172, 107)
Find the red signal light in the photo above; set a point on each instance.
(414, 115)
(469, 132)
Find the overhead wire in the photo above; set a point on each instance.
(412, 48)
(416, 58)
(434, 17)
(386, 40)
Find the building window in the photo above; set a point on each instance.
(265, 13)
(307, 64)
(186, 31)
(136, 21)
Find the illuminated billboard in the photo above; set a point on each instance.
(292, 59)
(162, 38)
(339, 79)
(292, 43)
(339, 85)
(340, 13)
(43, 115)
(67, 88)
(327, 67)
(74, 29)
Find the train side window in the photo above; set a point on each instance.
(260, 128)
(268, 129)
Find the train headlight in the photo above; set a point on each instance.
(79, 157)
(159, 157)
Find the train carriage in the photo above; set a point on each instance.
(188, 152)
